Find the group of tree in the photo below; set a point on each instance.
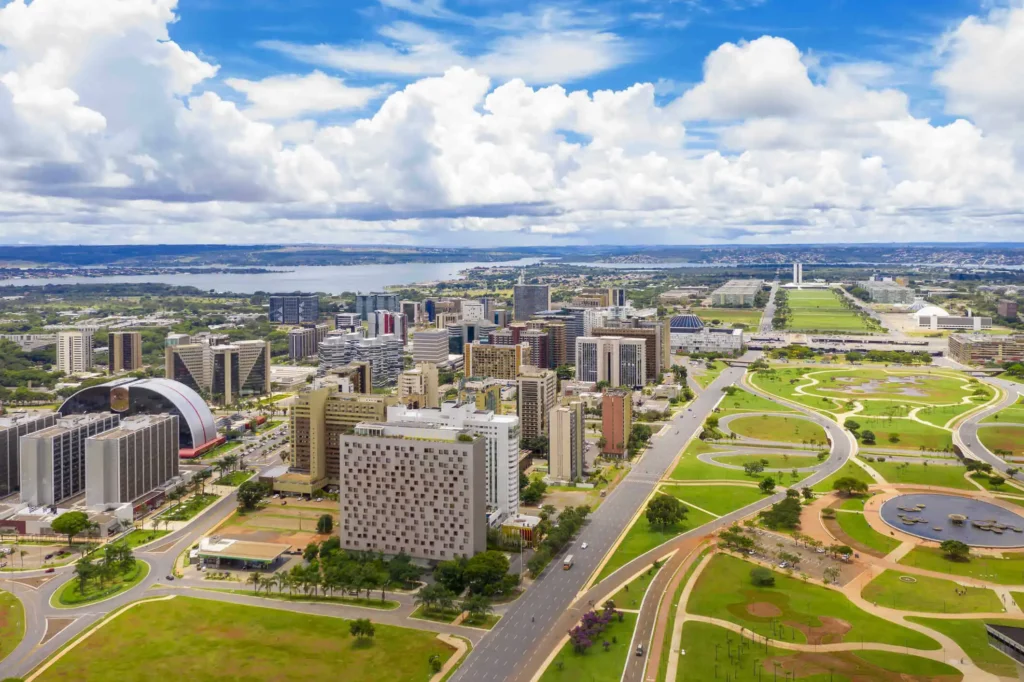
(362, 627)
(665, 511)
(954, 550)
(436, 597)
(734, 538)
(250, 494)
(73, 523)
(586, 633)
(679, 373)
(486, 574)
(781, 317)
(784, 514)
(555, 534)
(892, 357)
(116, 560)
(793, 351)
(639, 437)
(533, 492)
(755, 468)
(848, 485)
(538, 445)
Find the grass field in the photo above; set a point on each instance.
(744, 401)
(141, 536)
(910, 434)
(757, 663)
(596, 665)
(855, 503)
(729, 317)
(69, 596)
(822, 311)
(947, 476)
(676, 598)
(908, 386)
(1011, 415)
(204, 640)
(709, 375)
(1009, 438)
(189, 508)
(641, 538)
(12, 623)
(857, 527)
(374, 603)
(724, 590)
(849, 470)
(1008, 570)
(783, 381)
(220, 450)
(970, 635)
(235, 478)
(930, 595)
(774, 461)
(690, 468)
(717, 499)
(781, 429)
(630, 596)
(940, 416)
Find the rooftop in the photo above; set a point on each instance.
(243, 550)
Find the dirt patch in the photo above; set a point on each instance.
(830, 631)
(844, 665)
(54, 626)
(763, 609)
(295, 539)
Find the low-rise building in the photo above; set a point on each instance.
(689, 335)
(978, 349)
(737, 293)
(951, 322)
(886, 291)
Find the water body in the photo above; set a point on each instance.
(331, 279)
(937, 510)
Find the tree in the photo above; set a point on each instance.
(1012, 471)
(71, 524)
(250, 494)
(85, 570)
(762, 577)
(783, 514)
(852, 425)
(256, 580)
(362, 627)
(807, 493)
(831, 574)
(325, 524)
(955, 550)
(767, 484)
(452, 575)
(483, 573)
(753, 468)
(477, 606)
(848, 485)
(665, 510)
(867, 437)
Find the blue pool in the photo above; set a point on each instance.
(936, 511)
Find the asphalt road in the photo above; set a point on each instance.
(966, 435)
(769, 310)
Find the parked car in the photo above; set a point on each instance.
(784, 564)
(170, 577)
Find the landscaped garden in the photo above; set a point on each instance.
(717, 499)
(970, 634)
(769, 460)
(857, 527)
(12, 623)
(931, 595)
(848, 470)
(904, 434)
(1010, 415)
(710, 374)
(97, 582)
(1008, 570)
(199, 639)
(190, 508)
(944, 475)
(737, 400)
(779, 428)
(599, 663)
(235, 478)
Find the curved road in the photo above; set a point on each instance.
(966, 433)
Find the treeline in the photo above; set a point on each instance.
(556, 535)
(781, 317)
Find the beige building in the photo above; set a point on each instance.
(318, 420)
(418, 387)
(657, 335)
(227, 372)
(415, 489)
(430, 345)
(74, 351)
(536, 396)
(124, 351)
(136, 458)
(498, 362)
(617, 360)
(53, 459)
(565, 461)
(977, 349)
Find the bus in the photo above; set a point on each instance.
(567, 564)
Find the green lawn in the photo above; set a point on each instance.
(1006, 571)
(1011, 415)
(932, 595)
(630, 596)
(970, 635)
(744, 401)
(945, 475)
(676, 598)
(711, 649)
(1003, 437)
(375, 603)
(910, 386)
(856, 526)
(783, 382)
(690, 468)
(235, 478)
(12, 623)
(447, 616)
(717, 499)
(779, 428)
(141, 536)
(849, 469)
(209, 641)
(220, 450)
(910, 434)
(797, 460)
(709, 375)
(641, 538)
(855, 503)
(730, 317)
(69, 596)
(724, 590)
(822, 311)
(941, 415)
(596, 665)
(189, 508)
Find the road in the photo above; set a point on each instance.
(769, 310)
(966, 434)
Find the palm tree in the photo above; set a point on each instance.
(281, 580)
(256, 580)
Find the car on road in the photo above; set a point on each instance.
(49, 570)
(583, 546)
(639, 649)
(170, 577)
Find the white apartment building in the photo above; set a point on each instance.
(413, 488)
(136, 458)
(53, 459)
(617, 360)
(502, 452)
(12, 428)
(430, 345)
(74, 351)
(381, 322)
(384, 353)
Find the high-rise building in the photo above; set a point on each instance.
(600, 297)
(617, 297)
(656, 334)
(384, 353)
(53, 459)
(304, 342)
(418, 388)
(619, 361)
(411, 310)
(124, 351)
(1007, 309)
(536, 394)
(429, 309)
(126, 463)
(501, 318)
(529, 299)
(367, 303)
(347, 321)
(12, 428)
(432, 502)
(798, 273)
(430, 345)
(473, 311)
(540, 348)
(74, 351)
(461, 333)
(978, 349)
(355, 377)
(616, 421)
(382, 322)
(226, 372)
(592, 318)
(502, 452)
(574, 321)
(177, 340)
(294, 308)
(500, 362)
(565, 459)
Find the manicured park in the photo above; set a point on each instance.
(1003, 438)
(597, 664)
(791, 609)
(857, 527)
(1010, 415)
(717, 499)
(907, 592)
(199, 639)
(816, 310)
(71, 595)
(690, 468)
(778, 428)
(730, 317)
(190, 508)
(904, 434)
(970, 634)
(944, 475)
(774, 461)
(739, 400)
(12, 623)
(848, 470)
(1008, 570)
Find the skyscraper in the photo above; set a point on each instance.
(430, 345)
(617, 360)
(74, 351)
(616, 421)
(798, 273)
(53, 459)
(565, 461)
(124, 350)
(294, 308)
(388, 322)
(536, 396)
(304, 342)
(384, 353)
(125, 463)
(499, 362)
(12, 428)
(367, 303)
(529, 299)
(226, 372)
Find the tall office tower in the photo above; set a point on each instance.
(367, 303)
(473, 311)
(565, 459)
(430, 345)
(617, 360)
(557, 355)
(294, 308)
(502, 452)
(429, 309)
(498, 362)
(126, 463)
(186, 364)
(461, 333)
(538, 389)
(124, 351)
(347, 321)
(387, 322)
(226, 372)
(411, 310)
(502, 337)
(529, 299)
(489, 305)
(434, 506)
(616, 421)
(573, 319)
(418, 387)
(445, 320)
(177, 340)
(355, 377)
(592, 318)
(12, 428)
(540, 348)
(798, 273)
(501, 318)
(384, 353)
(53, 459)
(1007, 309)
(74, 351)
(657, 335)
(617, 297)
(303, 342)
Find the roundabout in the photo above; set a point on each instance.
(938, 517)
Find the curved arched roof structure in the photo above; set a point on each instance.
(930, 311)
(149, 396)
(686, 323)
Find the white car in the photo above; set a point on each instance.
(583, 546)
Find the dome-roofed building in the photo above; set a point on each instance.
(930, 311)
(683, 324)
(196, 428)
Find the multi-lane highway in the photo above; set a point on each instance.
(769, 310)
